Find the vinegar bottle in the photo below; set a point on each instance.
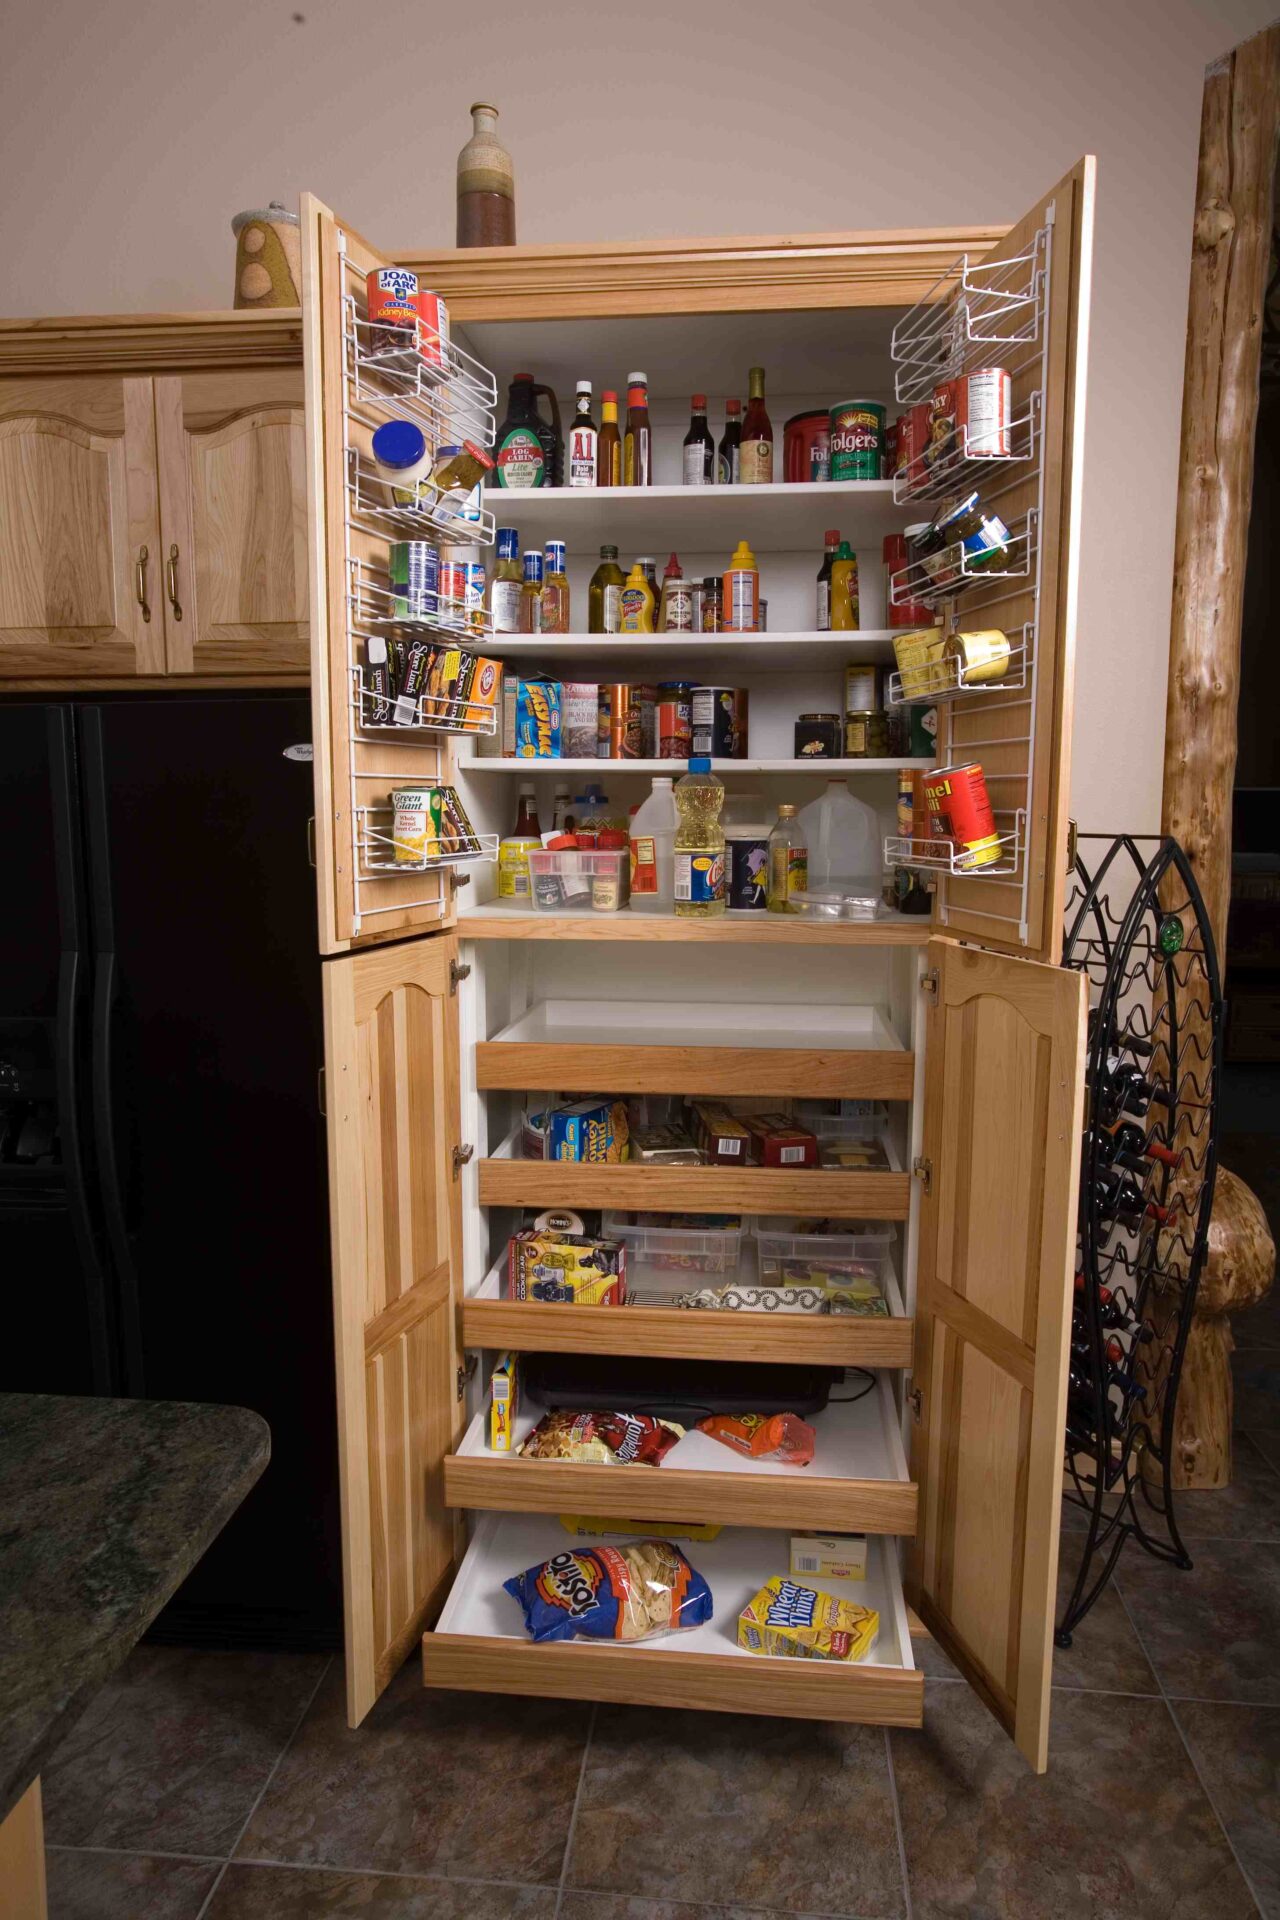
(604, 594)
(757, 435)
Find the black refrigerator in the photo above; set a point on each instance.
(163, 1198)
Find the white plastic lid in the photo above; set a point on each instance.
(637, 379)
(584, 386)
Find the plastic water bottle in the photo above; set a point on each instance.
(653, 837)
(699, 845)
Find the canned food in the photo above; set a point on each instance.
(413, 568)
(863, 687)
(415, 828)
(818, 736)
(433, 327)
(714, 711)
(913, 440)
(959, 809)
(944, 410)
(740, 700)
(675, 720)
(647, 701)
(980, 656)
(866, 736)
(392, 296)
(619, 730)
(985, 414)
(806, 447)
(908, 612)
(857, 440)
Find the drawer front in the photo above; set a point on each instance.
(872, 1073)
(766, 1190)
(676, 1334)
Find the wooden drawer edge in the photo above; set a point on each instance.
(769, 1190)
(870, 1073)
(649, 1677)
(674, 1333)
(506, 1484)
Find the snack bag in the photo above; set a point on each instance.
(624, 1439)
(764, 1436)
(612, 1593)
(803, 1624)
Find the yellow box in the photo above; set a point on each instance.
(921, 661)
(802, 1624)
(829, 1556)
(585, 1526)
(504, 1403)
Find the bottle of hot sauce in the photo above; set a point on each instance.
(637, 446)
(609, 445)
(757, 435)
(727, 464)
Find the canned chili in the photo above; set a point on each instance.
(675, 720)
(960, 811)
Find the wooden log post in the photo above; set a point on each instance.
(1231, 251)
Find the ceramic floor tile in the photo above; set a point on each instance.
(467, 1786)
(1117, 1829)
(586, 1906)
(1255, 1373)
(724, 1809)
(1268, 1445)
(303, 1893)
(175, 1750)
(1237, 1750)
(1249, 1509)
(126, 1886)
(1213, 1633)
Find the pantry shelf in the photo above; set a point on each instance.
(506, 1181)
(493, 763)
(479, 1644)
(678, 655)
(516, 920)
(822, 1052)
(774, 519)
(857, 1482)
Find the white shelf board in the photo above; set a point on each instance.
(677, 656)
(702, 1023)
(776, 519)
(523, 915)
(831, 769)
(735, 1567)
(855, 1440)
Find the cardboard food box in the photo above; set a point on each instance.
(776, 1141)
(530, 719)
(570, 1269)
(504, 1403)
(831, 1556)
(721, 1135)
(801, 1623)
(595, 1131)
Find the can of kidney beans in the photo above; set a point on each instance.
(857, 440)
(959, 809)
(675, 720)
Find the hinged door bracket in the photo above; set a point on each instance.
(457, 972)
(466, 1371)
(462, 1156)
(929, 985)
(923, 1171)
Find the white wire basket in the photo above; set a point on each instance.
(958, 469)
(375, 606)
(372, 500)
(952, 571)
(946, 677)
(425, 375)
(430, 713)
(375, 838)
(975, 307)
(937, 855)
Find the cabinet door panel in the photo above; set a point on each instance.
(1003, 1100)
(80, 586)
(391, 1084)
(234, 505)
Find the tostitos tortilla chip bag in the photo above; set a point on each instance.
(612, 1593)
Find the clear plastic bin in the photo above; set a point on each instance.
(579, 880)
(841, 1126)
(675, 1249)
(781, 1243)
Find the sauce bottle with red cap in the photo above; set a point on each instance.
(699, 447)
(637, 444)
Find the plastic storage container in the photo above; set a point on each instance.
(578, 880)
(664, 1248)
(781, 1242)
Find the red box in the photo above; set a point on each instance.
(776, 1141)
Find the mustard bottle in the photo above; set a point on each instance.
(637, 602)
(844, 590)
(742, 592)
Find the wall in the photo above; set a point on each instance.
(130, 137)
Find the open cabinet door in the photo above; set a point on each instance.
(391, 1087)
(1004, 1088)
(1032, 316)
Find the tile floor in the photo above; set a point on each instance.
(227, 1786)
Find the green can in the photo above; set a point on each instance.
(857, 440)
(922, 732)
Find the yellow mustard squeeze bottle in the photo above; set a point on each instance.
(637, 602)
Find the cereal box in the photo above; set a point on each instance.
(595, 1131)
(802, 1624)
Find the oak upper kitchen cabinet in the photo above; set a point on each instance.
(445, 1006)
(153, 499)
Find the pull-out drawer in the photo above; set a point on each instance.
(480, 1646)
(857, 1482)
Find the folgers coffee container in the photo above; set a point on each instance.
(675, 720)
(806, 447)
(715, 728)
(959, 810)
(857, 440)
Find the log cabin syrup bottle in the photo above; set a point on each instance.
(486, 185)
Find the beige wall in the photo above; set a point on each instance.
(130, 135)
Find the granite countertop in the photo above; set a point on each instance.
(105, 1507)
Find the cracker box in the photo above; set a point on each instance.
(776, 1141)
(585, 1526)
(829, 1556)
(570, 1269)
(594, 1131)
(721, 1135)
(920, 658)
(799, 1623)
(530, 719)
(504, 1403)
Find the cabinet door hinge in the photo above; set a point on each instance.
(467, 1371)
(457, 972)
(462, 1156)
(457, 879)
(915, 1400)
(923, 1171)
(929, 985)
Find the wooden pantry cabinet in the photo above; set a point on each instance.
(443, 1004)
(153, 495)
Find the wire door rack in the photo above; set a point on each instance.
(978, 315)
(1137, 927)
(424, 376)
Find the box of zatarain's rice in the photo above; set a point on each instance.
(504, 1403)
(831, 1556)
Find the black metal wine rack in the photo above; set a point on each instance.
(1136, 925)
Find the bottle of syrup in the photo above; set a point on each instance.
(519, 456)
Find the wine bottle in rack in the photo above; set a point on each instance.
(1121, 1198)
(1124, 1088)
(1140, 1044)
(1126, 1145)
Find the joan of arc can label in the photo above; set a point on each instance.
(857, 440)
